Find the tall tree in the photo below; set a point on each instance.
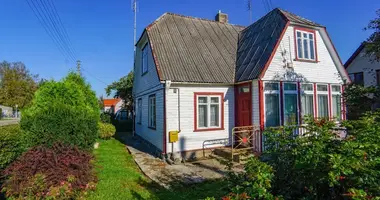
(373, 42)
(122, 89)
(17, 84)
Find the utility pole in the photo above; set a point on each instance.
(78, 67)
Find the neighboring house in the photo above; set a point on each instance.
(112, 105)
(362, 70)
(6, 111)
(204, 77)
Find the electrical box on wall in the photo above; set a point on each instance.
(173, 136)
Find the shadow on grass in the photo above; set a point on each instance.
(179, 190)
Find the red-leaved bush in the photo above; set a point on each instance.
(60, 171)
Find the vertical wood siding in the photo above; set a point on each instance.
(255, 103)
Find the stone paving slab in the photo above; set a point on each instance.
(165, 174)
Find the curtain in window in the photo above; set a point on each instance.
(290, 114)
(323, 106)
(336, 106)
(214, 118)
(272, 115)
(307, 105)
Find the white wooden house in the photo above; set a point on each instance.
(363, 70)
(204, 77)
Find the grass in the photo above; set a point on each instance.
(120, 178)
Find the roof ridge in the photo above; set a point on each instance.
(190, 17)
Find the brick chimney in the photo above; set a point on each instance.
(221, 17)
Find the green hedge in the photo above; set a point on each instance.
(61, 123)
(106, 130)
(11, 143)
(66, 111)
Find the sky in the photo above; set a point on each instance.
(101, 31)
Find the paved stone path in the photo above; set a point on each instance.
(167, 175)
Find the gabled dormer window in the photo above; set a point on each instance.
(305, 44)
(144, 60)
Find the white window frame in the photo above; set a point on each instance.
(341, 100)
(308, 92)
(208, 126)
(279, 101)
(308, 44)
(144, 59)
(139, 110)
(152, 107)
(317, 99)
(290, 92)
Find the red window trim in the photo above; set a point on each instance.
(196, 94)
(315, 44)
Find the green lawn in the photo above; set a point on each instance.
(120, 178)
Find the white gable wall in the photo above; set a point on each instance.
(188, 139)
(324, 71)
(145, 85)
(255, 103)
(363, 64)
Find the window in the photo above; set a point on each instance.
(144, 61)
(209, 111)
(290, 104)
(357, 78)
(378, 77)
(272, 104)
(139, 110)
(307, 100)
(336, 102)
(305, 41)
(152, 111)
(323, 101)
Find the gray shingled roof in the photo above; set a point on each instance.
(188, 49)
(194, 50)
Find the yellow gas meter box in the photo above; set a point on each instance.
(173, 136)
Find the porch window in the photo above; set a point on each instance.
(139, 110)
(305, 40)
(272, 104)
(336, 102)
(152, 111)
(144, 60)
(290, 104)
(307, 100)
(323, 101)
(209, 111)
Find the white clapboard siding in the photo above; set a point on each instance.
(143, 86)
(190, 140)
(255, 103)
(154, 136)
(324, 71)
(362, 63)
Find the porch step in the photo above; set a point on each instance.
(238, 156)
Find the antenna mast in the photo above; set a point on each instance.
(249, 6)
(134, 8)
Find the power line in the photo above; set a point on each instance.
(54, 26)
(43, 23)
(88, 72)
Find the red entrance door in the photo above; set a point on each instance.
(243, 100)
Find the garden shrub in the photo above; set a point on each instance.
(59, 172)
(106, 130)
(62, 112)
(319, 165)
(254, 183)
(105, 117)
(11, 144)
(1, 113)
